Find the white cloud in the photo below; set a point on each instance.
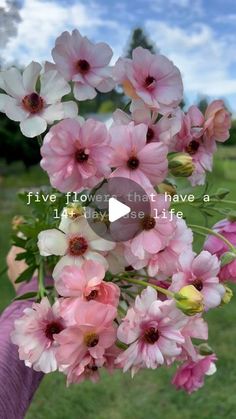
(203, 57)
(42, 21)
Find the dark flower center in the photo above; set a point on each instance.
(92, 296)
(32, 103)
(91, 340)
(150, 135)
(148, 223)
(77, 246)
(53, 328)
(81, 156)
(192, 148)
(151, 335)
(133, 163)
(149, 81)
(129, 268)
(198, 284)
(83, 66)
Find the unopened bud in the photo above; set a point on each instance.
(232, 216)
(189, 300)
(74, 211)
(204, 349)
(227, 296)
(227, 258)
(181, 164)
(168, 188)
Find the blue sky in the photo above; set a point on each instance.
(198, 35)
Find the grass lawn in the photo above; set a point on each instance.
(149, 395)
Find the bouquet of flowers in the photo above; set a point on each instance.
(127, 295)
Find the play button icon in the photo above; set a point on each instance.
(116, 209)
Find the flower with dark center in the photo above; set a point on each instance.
(150, 135)
(149, 81)
(81, 156)
(198, 284)
(33, 103)
(148, 222)
(193, 147)
(91, 340)
(77, 246)
(133, 163)
(83, 66)
(53, 328)
(92, 296)
(151, 335)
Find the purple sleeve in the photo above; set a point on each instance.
(18, 383)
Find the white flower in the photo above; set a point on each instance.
(34, 110)
(76, 244)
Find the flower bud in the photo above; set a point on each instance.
(204, 349)
(232, 216)
(181, 164)
(227, 258)
(227, 296)
(189, 300)
(167, 187)
(74, 211)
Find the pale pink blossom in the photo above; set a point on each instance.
(34, 334)
(152, 330)
(190, 139)
(132, 158)
(202, 272)
(84, 63)
(217, 122)
(77, 244)
(157, 229)
(217, 247)
(93, 333)
(152, 78)
(85, 283)
(195, 328)
(190, 376)
(76, 156)
(33, 108)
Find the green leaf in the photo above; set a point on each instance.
(26, 275)
(26, 296)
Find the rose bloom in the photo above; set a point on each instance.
(218, 247)
(35, 110)
(217, 122)
(152, 330)
(150, 77)
(77, 244)
(201, 271)
(76, 156)
(34, 334)
(92, 334)
(84, 63)
(145, 164)
(190, 376)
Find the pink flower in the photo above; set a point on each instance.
(195, 328)
(190, 376)
(76, 156)
(201, 271)
(152, 330)
(166, 261)
(35, 333)
(157, 230)
(152, 78)
(218, 122)
(92, 334)
(84, 63)
(85, 284)
(32, 108)
(190, 139)
(77, 244)
(218, 247)
(145, 164)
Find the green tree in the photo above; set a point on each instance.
(139, 39)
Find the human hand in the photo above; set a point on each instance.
(15, 267)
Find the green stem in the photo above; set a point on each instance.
(41, 291)
(146, 284)
(3, 271)
(224, 201)
(40, 140)
(209, 231)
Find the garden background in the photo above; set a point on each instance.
(149, 395)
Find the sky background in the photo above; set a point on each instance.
(198, 35)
